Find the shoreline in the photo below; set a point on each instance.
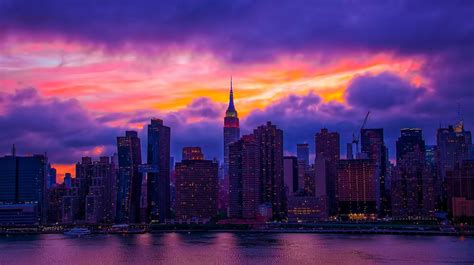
(265, 231)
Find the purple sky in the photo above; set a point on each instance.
(248, 38)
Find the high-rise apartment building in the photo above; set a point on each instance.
(129, 179)
(373, 146)
(244, 178)
(158, 183)
(328, 149)
(196, 190)
(356, 187)
(270, 144)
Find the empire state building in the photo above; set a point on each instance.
(231, 129)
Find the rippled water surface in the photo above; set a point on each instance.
(235, 248)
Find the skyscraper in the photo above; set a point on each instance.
(231, 129)
(100, 198)
(412, 181)
(410, 138)
(373, 145)
(68, 180)
(55, 199)
(23, 189)
(356, 187)
(196, 190)
(272, 191)
(302, 152)
(460, 191)
(244, 178)
(454, 145)
(349, 151)
(129, 179)
(51, 176)
(328, 149)
(192, 153)
(83, 180)
(158, 184)
(290, 174)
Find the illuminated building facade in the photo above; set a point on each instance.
(196, 190)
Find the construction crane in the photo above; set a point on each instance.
(355, 139)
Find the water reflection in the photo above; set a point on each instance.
(235, 248)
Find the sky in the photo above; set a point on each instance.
(74, 75)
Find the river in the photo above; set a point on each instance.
(235, 248)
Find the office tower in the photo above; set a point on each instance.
(23, 189)
(231, 129)
(100, 199)
(55, 200)
(412, 181)
(309, 184)
(272, 190)
(68, 180)
(51, 176)
(147, 171)
(328, 149)
(290, 174)
(430, 154)
(83, 180)
(192, 153)
(144, 216)
(349, 151)
(460, 191)
(302, 152)
(409, 139)
(70, 208)
(244, 178)
(453, 146)
(129, 178)
(158, 184)
(196, 190)
(356, 187)
(320, 168)
(372, 144)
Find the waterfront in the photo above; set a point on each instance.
(236, 248)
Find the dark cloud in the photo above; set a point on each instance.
(382, 91)
(66, 131)
(197, 124)
(62, 128)
(246, 28)
(301, 124)
(441, 33)
(202, 108)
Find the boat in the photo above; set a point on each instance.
(77, 232)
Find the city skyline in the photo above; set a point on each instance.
(262, 183)
(236, 132)
(332, 64)
(289, 151)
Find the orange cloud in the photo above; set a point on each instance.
(166, 82)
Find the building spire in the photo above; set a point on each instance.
(231, 112)
(231, 94)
